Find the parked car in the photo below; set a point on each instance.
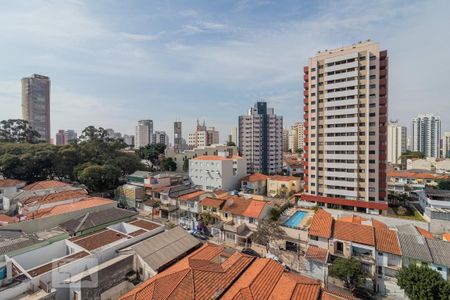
(251, 252)
(200, 235)
(363, 293)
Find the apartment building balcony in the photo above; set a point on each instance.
(305, 77)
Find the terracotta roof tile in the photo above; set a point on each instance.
(66, 208)
(56, 197)
(45, 184)
(191, 196)
(212, 202)
(10, 182)
(255, 177)
(387, 241)
(255, 209)
(284, 178)
(425, 233)
(352, 219)
(334, 295)
(317, 254)
(416, 175)
(446, 237)
(6, 219)
(321, 224)
(191, 279)
(357, 233)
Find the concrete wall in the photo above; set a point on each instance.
(107, 278)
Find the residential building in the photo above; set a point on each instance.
(203, 136)
(160, 137)
(229, 274)
(178, 144)
(413, 180)
(261, 140)
(255, 184)
(144, 133)
(426, 135)
(128, 139)
(234, 135)
(70, 135)
(446, 145)
(169, 201)
(60, 138)
(36, 104)
(420, 164)
(130, 195)
(8, 188)
(223, 171)
(433, 198)
(396, 142)
(283, 186)
(345, 112)
(182, 158)
(285, 140)
(293, 165)
(81, 267)
(296, 137)
(189, 208)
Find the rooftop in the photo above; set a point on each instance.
(145, 224)
(416, 175)
(98, 239)
(191, 196)
(212, 202)
(440, 252)
(165, 247)
(201, 275)
(255, 177)
(387, 241)
(55, 197)
(362, 234)
(97, 218)
(11, 182)
(321, 224)
(317, 254)
(414, 246)
(45, 184)
(217, 157)
(283, 178)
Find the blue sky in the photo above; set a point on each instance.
(114, 62)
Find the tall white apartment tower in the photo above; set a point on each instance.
(144, 133)
(396, 142)
(296, 137)
(345, 112)
(426, 134)
(446, 145)
(261, 139)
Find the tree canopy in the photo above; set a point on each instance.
(421, 282)
(95, 160)
(18, 131)
(268, 232)
(153, 153)
(444, 184)
(349, 271)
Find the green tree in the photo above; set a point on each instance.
(268, 232)
(230, 144)
(153, 153)
(444, 184)
(17, 131)
(299, 151)
(167, 164)
(349, 271)
(99, 178)
(421, 282)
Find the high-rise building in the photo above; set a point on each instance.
(160, 137)
(203, 136)
(60, 138)
(446, 145)
(70, 135)
(285, 140)
(128, 139)
(177, 137)
(296, 137)
(345, 96)
(426, 135)
(396, 142)
(234, 135)
(261, 139)
(144, 133)
(36, 104)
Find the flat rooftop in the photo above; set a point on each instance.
(56, 264)
(145, 224)
(98, 239)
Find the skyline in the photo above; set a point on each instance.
(112, 64)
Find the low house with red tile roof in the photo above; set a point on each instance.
(255, 184)
(212, 272)
(412, 180)
(33, 203)
(211, 172)
(321, 229)
(283, 186)
(45, 185)
(190, 209)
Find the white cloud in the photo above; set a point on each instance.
(141, 37)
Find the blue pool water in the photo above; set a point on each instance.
(295, 219)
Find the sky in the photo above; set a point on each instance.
(112, 63)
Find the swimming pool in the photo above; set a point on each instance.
(295, 219)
